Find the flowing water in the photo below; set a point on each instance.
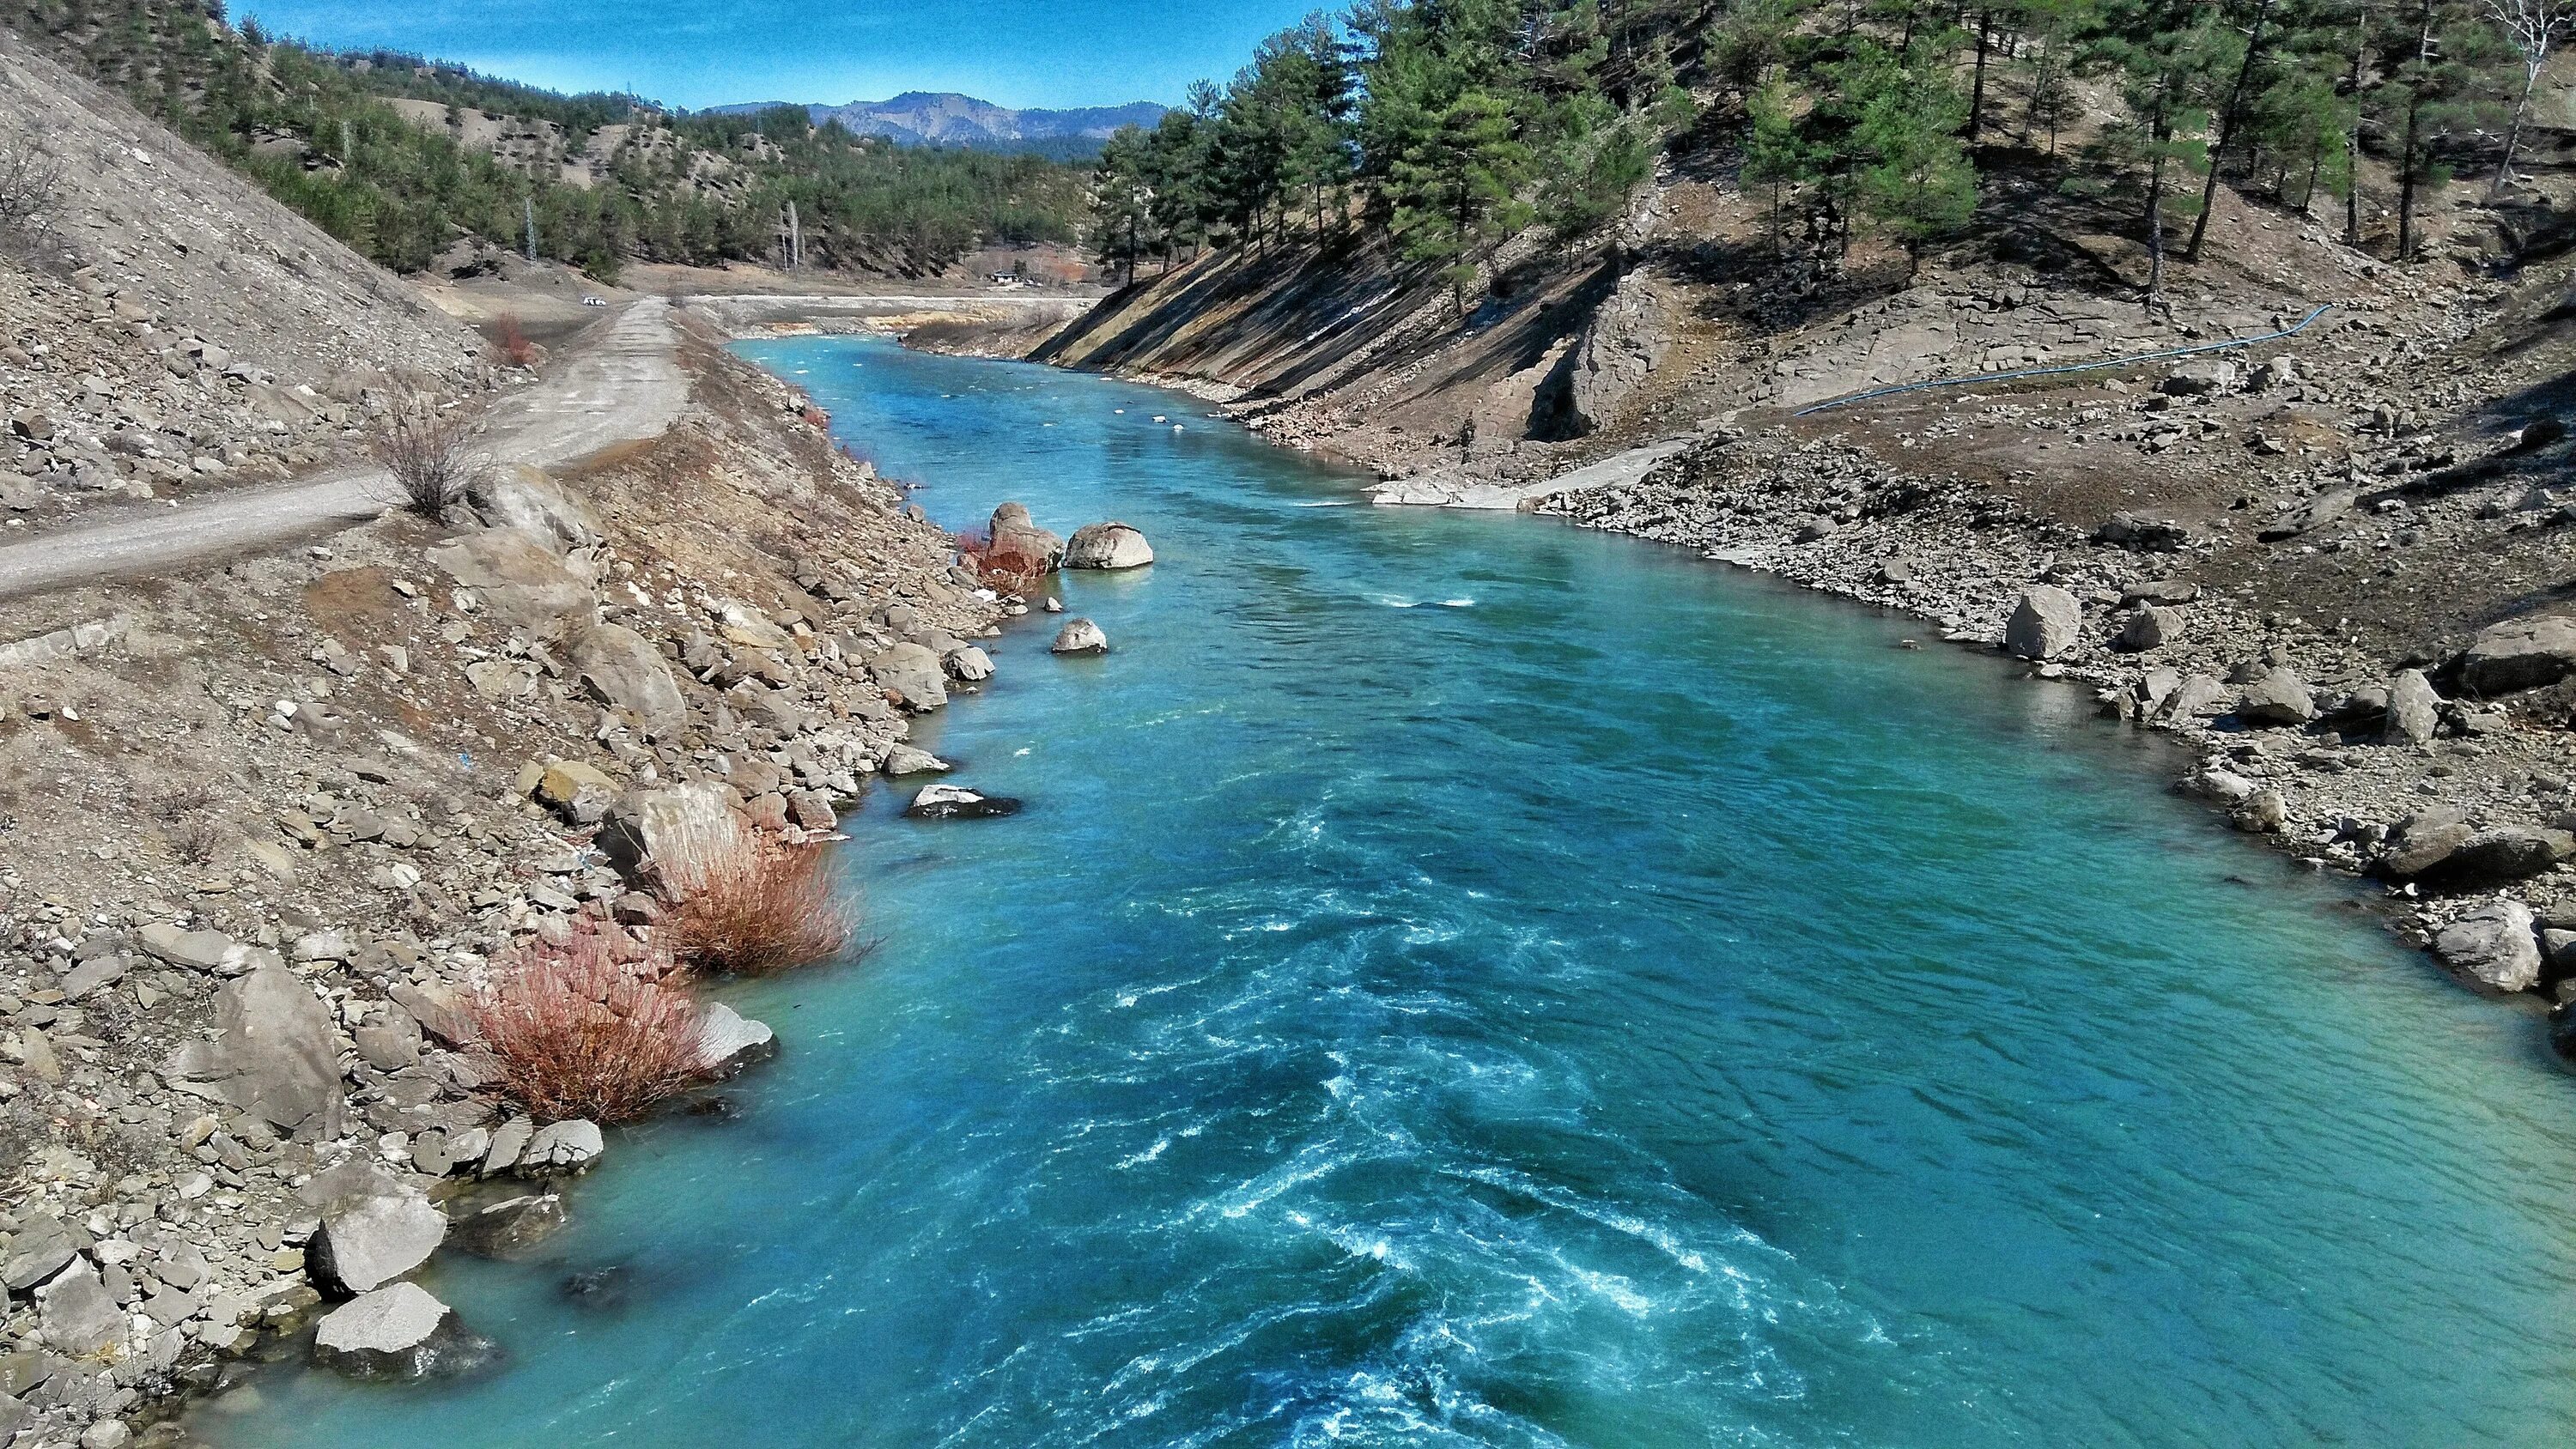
(1463, 980)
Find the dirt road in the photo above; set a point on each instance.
(623, 384)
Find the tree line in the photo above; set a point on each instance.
(1445, 126)
(315, 128)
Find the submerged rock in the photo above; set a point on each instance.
(909, 760)
(1079, 636)
(955, 802)
(508, 1227)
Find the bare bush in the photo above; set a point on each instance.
(572, 1031)
(31, 187)
(429, 451)
(510, 339)
(1003, 569)
(755, 907)
(195, 841)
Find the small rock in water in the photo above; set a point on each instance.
(1080, 636)
(909, 760)
(954, 802)
(732, 1040)
(565, 1149)
(508, 1227)
(1107, 546)
(399, 1332)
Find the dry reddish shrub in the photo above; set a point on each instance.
(755, 907)
(815, 417)
(571, 1031)
(1004, 570)
(512, 340)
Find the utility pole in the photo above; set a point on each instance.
(530, 203)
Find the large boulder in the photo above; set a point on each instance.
(2421, 842)
(2201, 379)
(2493, 947)
(40, 1248)
(2520, 654)
(2152, 627)
(902, 759)
(1107, 546)
(399, 1332)
(2414, 710)
(1013, 532)
(2279, 698)
(2142, 533)
(520, 582)
(913, 671)
(75, 1313)
(659, 837)
(628, 673)
(274, 1055)
(2484, 858)
(524, 498)
(562, 1149)
(366, 1244)
(2045, 623)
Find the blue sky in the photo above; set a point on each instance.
(1020, 53)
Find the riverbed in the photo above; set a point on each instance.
(1463, 979)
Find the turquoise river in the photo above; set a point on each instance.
(1465, 980)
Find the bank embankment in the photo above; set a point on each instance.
(273, 827)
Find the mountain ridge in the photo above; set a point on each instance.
(951, 118)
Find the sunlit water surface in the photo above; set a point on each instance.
(1464, 980)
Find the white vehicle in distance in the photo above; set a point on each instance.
(594, 301)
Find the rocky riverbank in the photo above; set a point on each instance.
(2442, 770)
(266, 831)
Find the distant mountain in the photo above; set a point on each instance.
(947, 119)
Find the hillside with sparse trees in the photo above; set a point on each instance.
(404, 159)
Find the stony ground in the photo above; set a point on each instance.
(264, 830)
(170, 330)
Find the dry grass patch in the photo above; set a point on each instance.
(572, 1031)
(755, 907)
